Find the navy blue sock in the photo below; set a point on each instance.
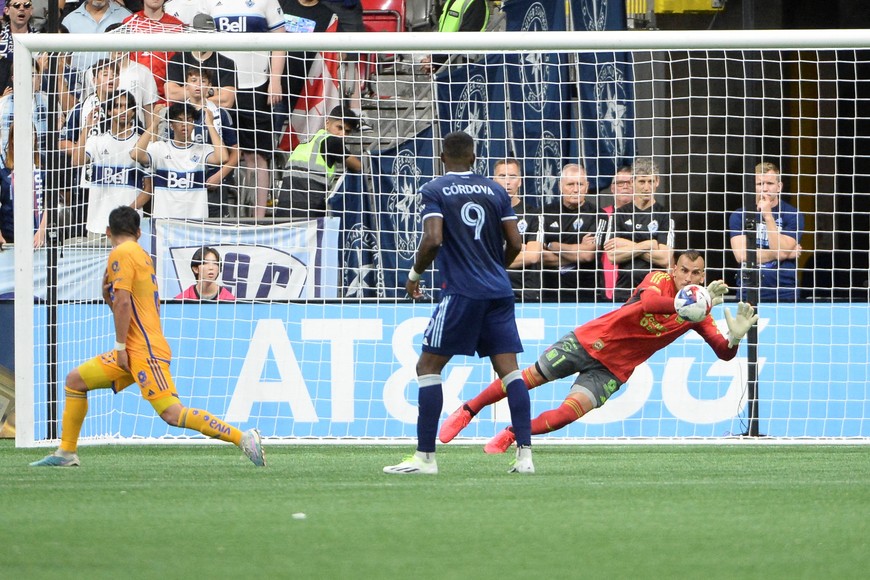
(520, 406)
(430, 401)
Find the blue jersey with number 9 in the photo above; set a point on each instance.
(471, 258)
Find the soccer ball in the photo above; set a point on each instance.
(693, 303)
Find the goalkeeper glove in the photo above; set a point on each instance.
(717, 290)
(739, 326)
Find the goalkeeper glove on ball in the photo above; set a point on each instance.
(739, 326)
(717, 291)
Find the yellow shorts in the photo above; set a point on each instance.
(151, 374)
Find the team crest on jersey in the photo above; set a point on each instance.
(578, 224)
(594, 15)
(142, 378)
(471, 117)
(403, 202)
(115, 266)
(522, 225)
(249, 3)
(548, 162)
(534, 71)
(653, 226)
(363, 245)
(611, 99)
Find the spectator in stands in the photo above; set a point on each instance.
(105, 75)
(179, 164)
(7, 196)
(153, 19)
(778, 231)
(136, 79)
(222, 70)
(110, 175)
(640, 238)
(310, 172)
(525, 270)
(303, 16)
(92, 17)
(569, 228)
(206, 267)
(258, 90)
(458, 16)
(622, 188)
(17, 19)
(40, 112)
(218, 177)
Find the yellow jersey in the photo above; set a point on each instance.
(131, 269)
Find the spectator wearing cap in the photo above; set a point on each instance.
(311, 169)
(221, 69)
(92, 17)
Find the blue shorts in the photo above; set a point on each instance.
(462, 325)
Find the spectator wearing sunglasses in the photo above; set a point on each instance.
(17, 19)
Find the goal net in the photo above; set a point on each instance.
(315, 226)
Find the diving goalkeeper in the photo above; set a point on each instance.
(141, 354)
(605, 351)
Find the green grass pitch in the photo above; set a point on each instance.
(593, 511)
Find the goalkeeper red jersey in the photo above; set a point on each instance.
(628, 336)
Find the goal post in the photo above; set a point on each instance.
(320, 344)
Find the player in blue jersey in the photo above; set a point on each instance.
(469, 224)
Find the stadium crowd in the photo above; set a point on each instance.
(202, 135)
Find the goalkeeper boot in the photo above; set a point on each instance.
(501, 442)
(523, 462)
(252, 447)
(456, 422)
(58, 459)
(419, 463)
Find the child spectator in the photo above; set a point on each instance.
(206, 267)
(218, 178)
(179, 164)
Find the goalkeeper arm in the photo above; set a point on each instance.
(740, 325)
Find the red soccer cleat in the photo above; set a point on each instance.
(456, 422)
(501, 442)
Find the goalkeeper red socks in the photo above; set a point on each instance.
(565, 414)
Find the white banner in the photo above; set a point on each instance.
(265, 262)
(258, 262)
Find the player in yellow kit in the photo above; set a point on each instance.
(141, 354)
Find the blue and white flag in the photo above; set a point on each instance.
(362, 269)
(398, 175)
(606, 128)
(470, 98)
(541, 114)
